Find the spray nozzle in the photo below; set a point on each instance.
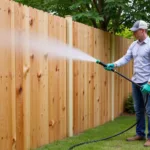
(98, 61)
(101, 63)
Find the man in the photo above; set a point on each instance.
(139, 51)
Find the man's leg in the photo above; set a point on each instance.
(140, 113)
(139, 110)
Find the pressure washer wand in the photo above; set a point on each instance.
(104, 65)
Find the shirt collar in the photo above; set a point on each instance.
(145, 41)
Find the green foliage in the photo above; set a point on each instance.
(109, 15)
(126, 33)
(129, 106)
(56, 7)
(90, 15)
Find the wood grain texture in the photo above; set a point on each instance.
(33, 84)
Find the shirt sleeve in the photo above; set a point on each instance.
(126, 58)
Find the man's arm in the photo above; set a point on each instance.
(126, 58)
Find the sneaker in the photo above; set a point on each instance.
(147, 143)
(136, 138)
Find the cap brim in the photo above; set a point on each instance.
(133, 29)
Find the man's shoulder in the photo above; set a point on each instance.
(148, 42)
(148, 39)
(133, 44)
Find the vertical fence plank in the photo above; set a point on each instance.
(91, 79)
(19, 77)
(122, 81)
(57, 98)
(5, 77)
(105, 78)
(42, 79)
(108, 77)
(75, 85)
(97, 47)
(84, 76)
(26, 78)
(116, 98)
(78, 102)
(51, 83)
(34, 85)
(119, 79)
(13, 92)
(45, 96)
(81, 75)
(81, 45)
(85, 92)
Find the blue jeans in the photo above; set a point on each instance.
(140, 109)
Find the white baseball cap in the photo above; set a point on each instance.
(140, 24)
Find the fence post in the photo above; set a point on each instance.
(112, 58)
(69, 79)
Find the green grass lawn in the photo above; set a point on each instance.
(110, 128)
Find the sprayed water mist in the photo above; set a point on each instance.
(45, 45)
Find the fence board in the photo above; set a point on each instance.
(34, 85)
(97, 76)
(13, 85)
(51, 82)
(42, 81)
(5, 78)
(26, 79)
(57, 81)
(18, 24)
(75, 83)
(107, 48)
(90, 79)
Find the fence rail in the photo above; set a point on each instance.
(33, 87)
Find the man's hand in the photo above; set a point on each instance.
(109, 67)
(146, 88)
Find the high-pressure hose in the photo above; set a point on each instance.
(104, 65)
(102, 139)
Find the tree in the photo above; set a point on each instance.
(108, 15)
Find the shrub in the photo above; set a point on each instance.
(129, 106)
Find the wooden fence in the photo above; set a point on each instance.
(33, 88)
